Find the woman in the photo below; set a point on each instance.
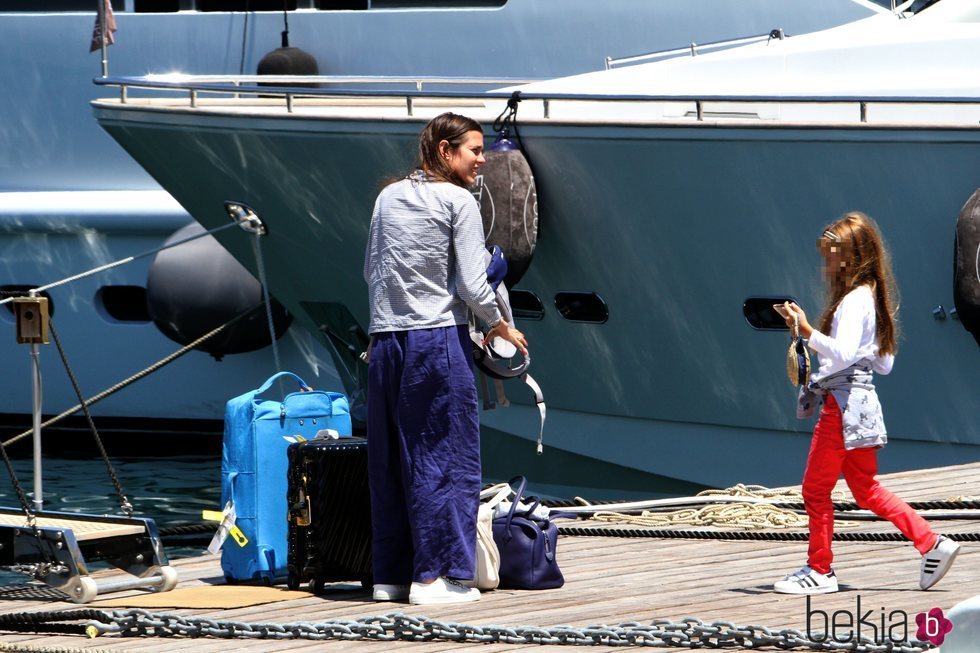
(857, 336)
(425, 269)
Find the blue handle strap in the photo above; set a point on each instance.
(516, 500)
(271, 379)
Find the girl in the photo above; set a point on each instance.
(856, 336)
(424, 268)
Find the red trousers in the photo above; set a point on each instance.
(827, 459)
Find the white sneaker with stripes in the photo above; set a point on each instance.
(807, 581)
(937, 562)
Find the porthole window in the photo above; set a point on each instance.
(582, 307)
(19, 290)
(761, 315)
(525, 305)
(122, 303)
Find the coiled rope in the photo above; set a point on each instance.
(778, 508)
(689, 632)
(748, 516)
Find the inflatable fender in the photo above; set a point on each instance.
(508, 202)
(966, 266)
(196, 287)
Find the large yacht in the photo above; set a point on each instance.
(676, 200)
(71, 199)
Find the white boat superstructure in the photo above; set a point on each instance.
(884, 59)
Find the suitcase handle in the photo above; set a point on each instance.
(271, 379)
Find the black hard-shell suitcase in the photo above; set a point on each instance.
(329, 535)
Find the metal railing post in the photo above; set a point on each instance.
(102, 43)
(36, 396)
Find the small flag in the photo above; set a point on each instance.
(110, 22)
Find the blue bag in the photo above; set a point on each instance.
(253, 470)
(527, 546)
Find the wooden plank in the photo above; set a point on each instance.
(83, 530)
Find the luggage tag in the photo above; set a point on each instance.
(225, 528)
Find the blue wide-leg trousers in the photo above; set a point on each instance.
(423, 455)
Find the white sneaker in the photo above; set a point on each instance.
(442, 590)
(807, 581)
(937, 562)
(390, 592)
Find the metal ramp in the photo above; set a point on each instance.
(59, 548)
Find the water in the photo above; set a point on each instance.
(172, 491)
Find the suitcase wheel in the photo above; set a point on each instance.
(316, 585)
(292, 582)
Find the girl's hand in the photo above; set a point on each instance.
(508, 333)
(792, 309)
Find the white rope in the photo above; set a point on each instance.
(741, 506)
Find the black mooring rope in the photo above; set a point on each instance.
(613, 531)
(124, 503)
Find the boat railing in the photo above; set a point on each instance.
(693, 49)
(250, 85)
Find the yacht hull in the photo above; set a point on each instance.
(673, 225)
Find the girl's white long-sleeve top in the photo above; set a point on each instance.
(852, 337)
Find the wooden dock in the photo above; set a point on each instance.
(609, 581)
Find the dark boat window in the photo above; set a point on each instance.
(19, 290)
(582, 307)
(40, 6)
(408, 4)
(252, 5)
(164, 6)
(122, 303)
(760, 314)
(159, 6)
(526, 305)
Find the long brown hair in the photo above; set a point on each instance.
(864, 262)
(450, 127)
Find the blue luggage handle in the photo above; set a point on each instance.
(268, 384)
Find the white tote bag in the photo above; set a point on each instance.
(487, 555)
